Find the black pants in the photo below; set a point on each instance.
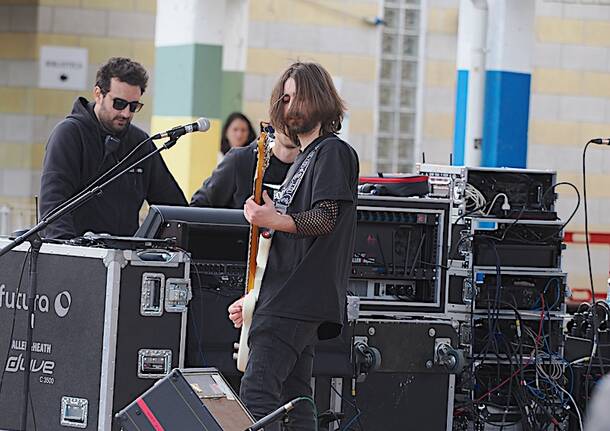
(279, 369)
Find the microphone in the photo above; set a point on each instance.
(272, 417)
(601, 141)
(202, 125)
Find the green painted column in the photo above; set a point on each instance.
(195, 76)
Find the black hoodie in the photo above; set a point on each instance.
(77, 153)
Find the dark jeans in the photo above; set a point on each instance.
(279, 369)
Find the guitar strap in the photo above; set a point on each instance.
(283, 198)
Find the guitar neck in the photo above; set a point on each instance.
(252, 252)
(258, 198)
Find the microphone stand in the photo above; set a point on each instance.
(104, 175)
(32, 236)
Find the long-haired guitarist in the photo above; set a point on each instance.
(303, 292)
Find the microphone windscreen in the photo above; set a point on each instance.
(203, 124)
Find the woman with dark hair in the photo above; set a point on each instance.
(237, 132)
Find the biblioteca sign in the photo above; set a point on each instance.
(63, 67)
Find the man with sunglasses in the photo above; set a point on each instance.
(92, 139)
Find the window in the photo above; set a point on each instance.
(398, 77)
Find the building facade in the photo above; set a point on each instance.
(393, 61)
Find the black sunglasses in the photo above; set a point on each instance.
(120, 104)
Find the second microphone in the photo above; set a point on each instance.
(201, 125)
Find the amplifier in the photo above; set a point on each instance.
(210, 333)
(476, 290)
(502, 192)
(187, 400)
(107, 325)
(218, 274)
(513, 244)
(400, 255)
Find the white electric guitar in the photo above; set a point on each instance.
(258, 252)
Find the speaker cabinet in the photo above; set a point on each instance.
(187, 399)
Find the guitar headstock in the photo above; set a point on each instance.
(269, 141)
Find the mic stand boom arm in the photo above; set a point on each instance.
(32, 236)
(78, 200)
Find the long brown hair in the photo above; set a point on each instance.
(316, 97)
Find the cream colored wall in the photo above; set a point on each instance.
(570, 104)
(333, 33)
(28, 113)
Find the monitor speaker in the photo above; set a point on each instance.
(187, 399)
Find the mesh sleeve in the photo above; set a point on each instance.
(318, 221)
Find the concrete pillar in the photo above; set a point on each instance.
(470, 92)
(510, 43)
(196, 77)
(234, 55)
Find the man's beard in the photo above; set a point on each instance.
(299, 124)
(111, 126)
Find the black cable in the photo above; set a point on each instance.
(355, 394)
(438, 265)
(357, 411)
(584, 190)
(33, 413)
(586, 214)
(467, 213)
(569, 218)
(10, 339)
(194, 323)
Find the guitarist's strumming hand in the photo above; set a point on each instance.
(266, 215)
(235, 312)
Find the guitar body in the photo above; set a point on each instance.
(250, 301)
(258, 252)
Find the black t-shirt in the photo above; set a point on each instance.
(274, 174)
(306, 278)
(231, 182)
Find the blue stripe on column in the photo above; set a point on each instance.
(461, 104)
(507, 97)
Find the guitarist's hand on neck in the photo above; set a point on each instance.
(266, 215)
